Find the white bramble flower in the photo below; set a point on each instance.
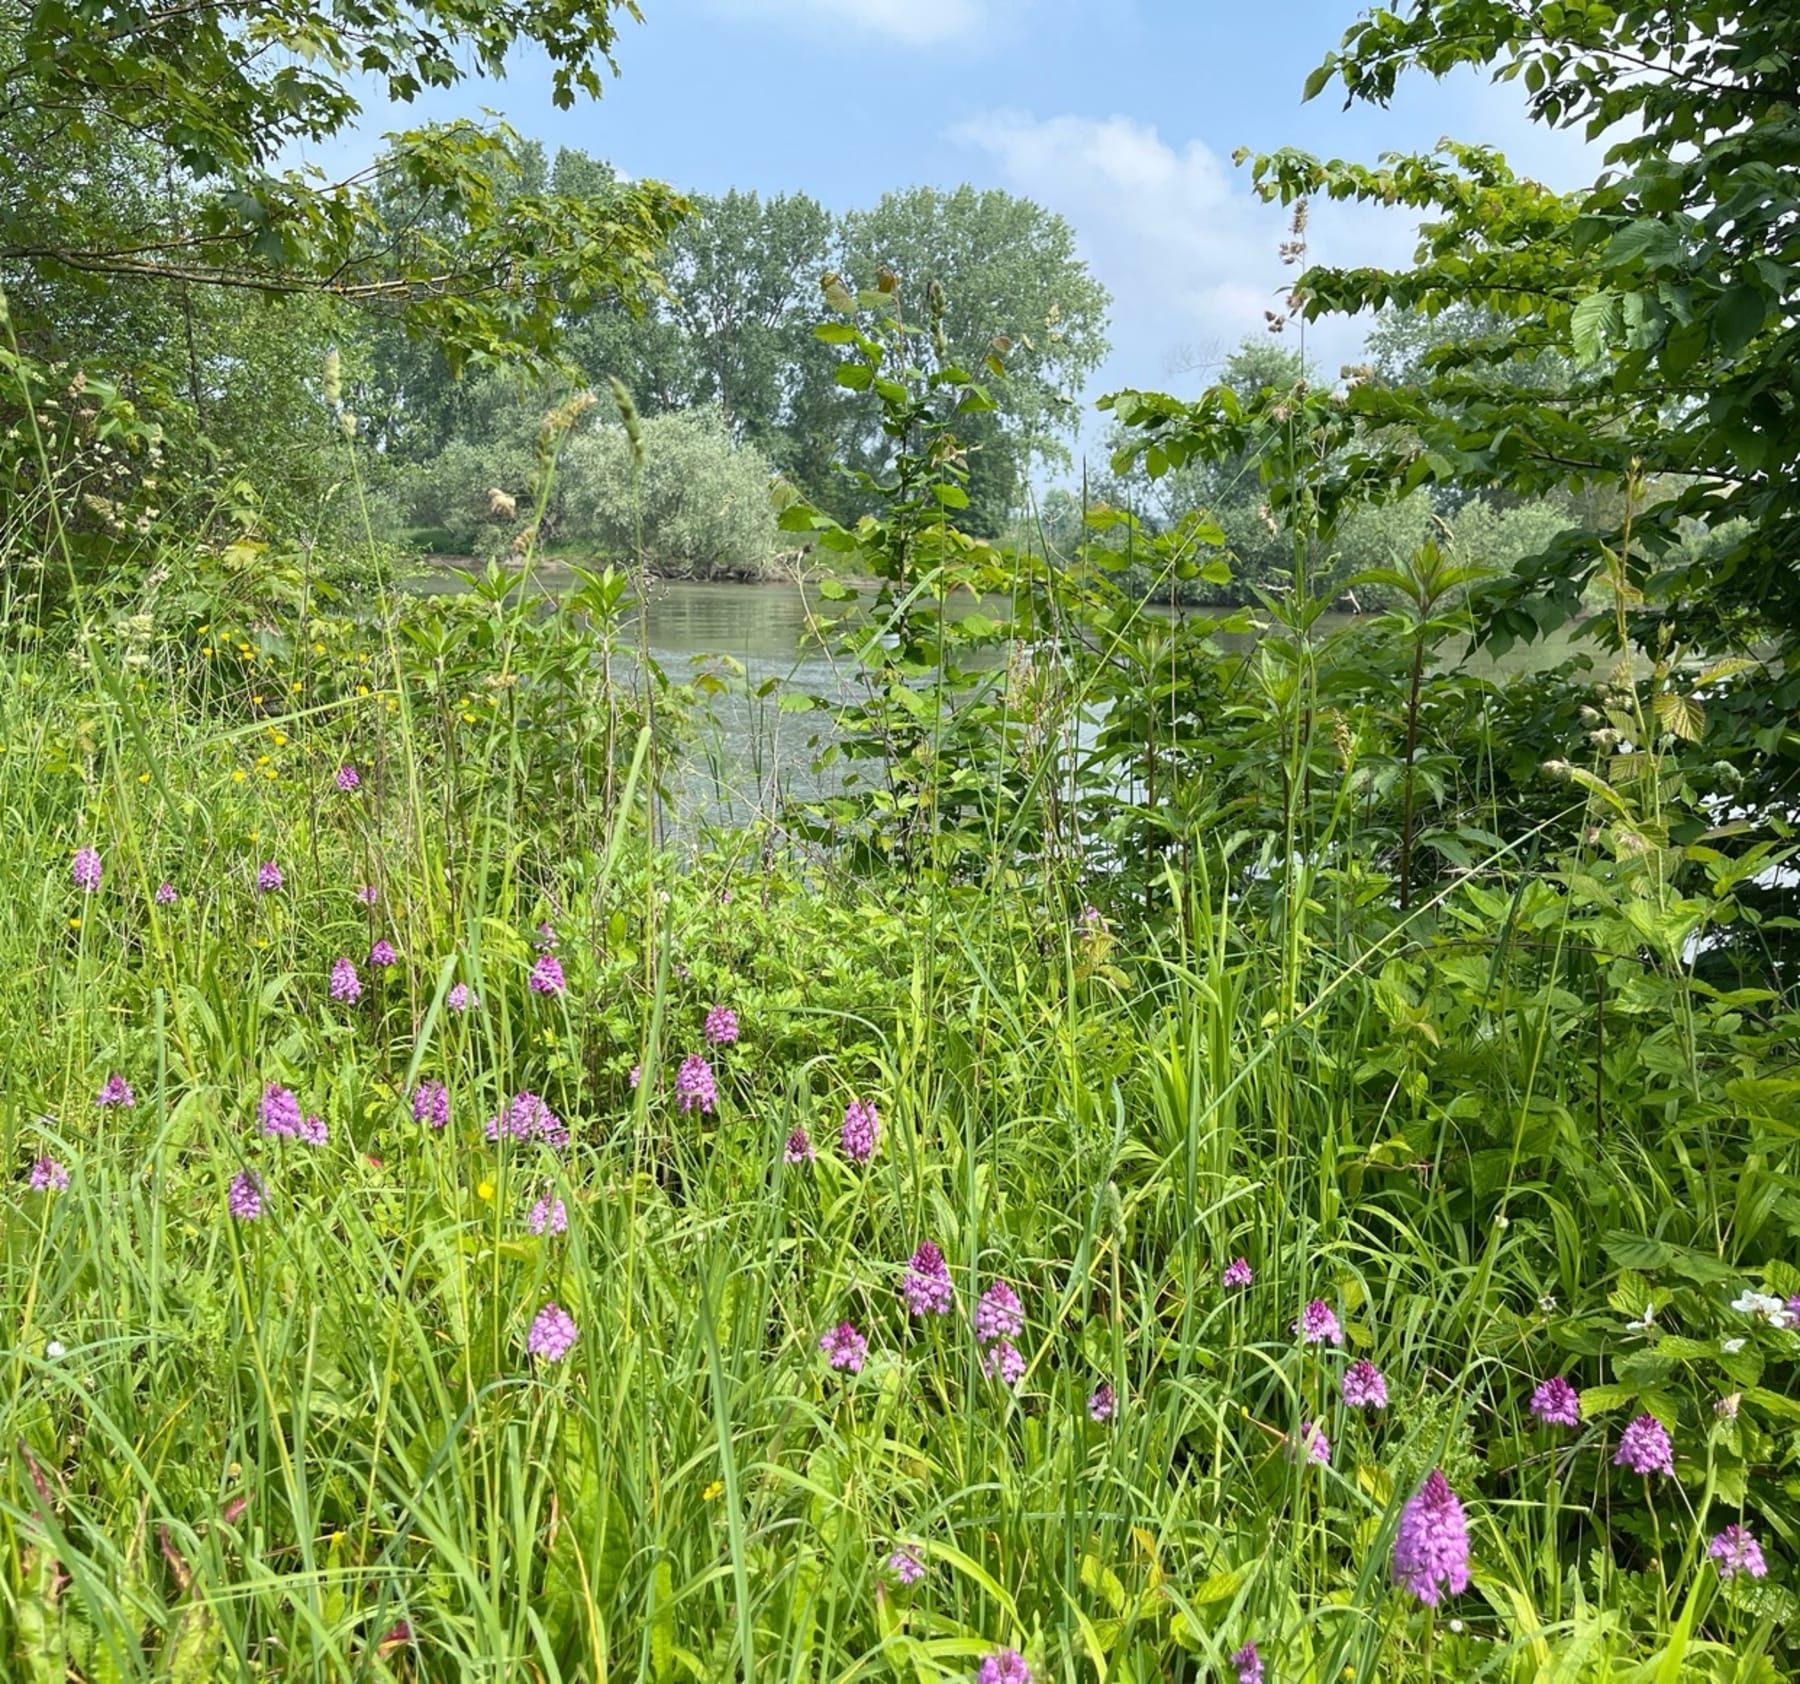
(1770, 1308)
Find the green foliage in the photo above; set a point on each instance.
(1462, 1002)
(1491, 1137)
(194, 113)
(683, 499)
(1668, 287)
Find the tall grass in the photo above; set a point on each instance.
(312, 1445)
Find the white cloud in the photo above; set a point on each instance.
(911, 23)
(1188, 251)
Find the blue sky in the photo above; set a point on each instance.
(1121, 115)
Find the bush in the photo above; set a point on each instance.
(705, 501)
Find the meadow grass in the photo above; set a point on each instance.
(313, 1444)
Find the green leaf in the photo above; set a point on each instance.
(1637, 1251)
(662, 1623)
(1596, 1400)
(1774, 1403)
(1738, 317)
(1648, 238)
(857, 377)
(1591, 321)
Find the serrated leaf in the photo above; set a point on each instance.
(1596, 1400)
(1219, 1587)
(1649, 238)
(1636, 1251)
(1679, 714)
(1591, 322)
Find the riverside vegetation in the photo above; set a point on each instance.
(1180, 1161)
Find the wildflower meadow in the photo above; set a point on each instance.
(449, 1233)
(1193, 1075)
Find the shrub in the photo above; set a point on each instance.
(705, 501)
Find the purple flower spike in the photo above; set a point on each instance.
(1431, 1547)
(165, 894)
(245, 1198)
(845, 1348)
(528, 1118)
(346, 779)
(999, 1314)
(1104, 1404)
(117, 1091)
(721, 1026)
(268, 877)
(1002, 1361)
(1249, 1665)
(1736, 1551)
(48, 1176)
(1644, 1448)
(548, 1216)
(280, 1111)
(382, 955)
(906, 1567)
(1556, 1403)
(1004, 1666)
(1312, 1445)
(431, 1104)
(1364, 1386)
(547, 975)
(1236, 1274)
(313, 1130)
(799, 1147)
(862, 1128)
(926, 1283)
(346, 985)
(85, 872)
(459, 998)
(552, 1333)
(368, 894)
(695, 1084)
(1318, 1326)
